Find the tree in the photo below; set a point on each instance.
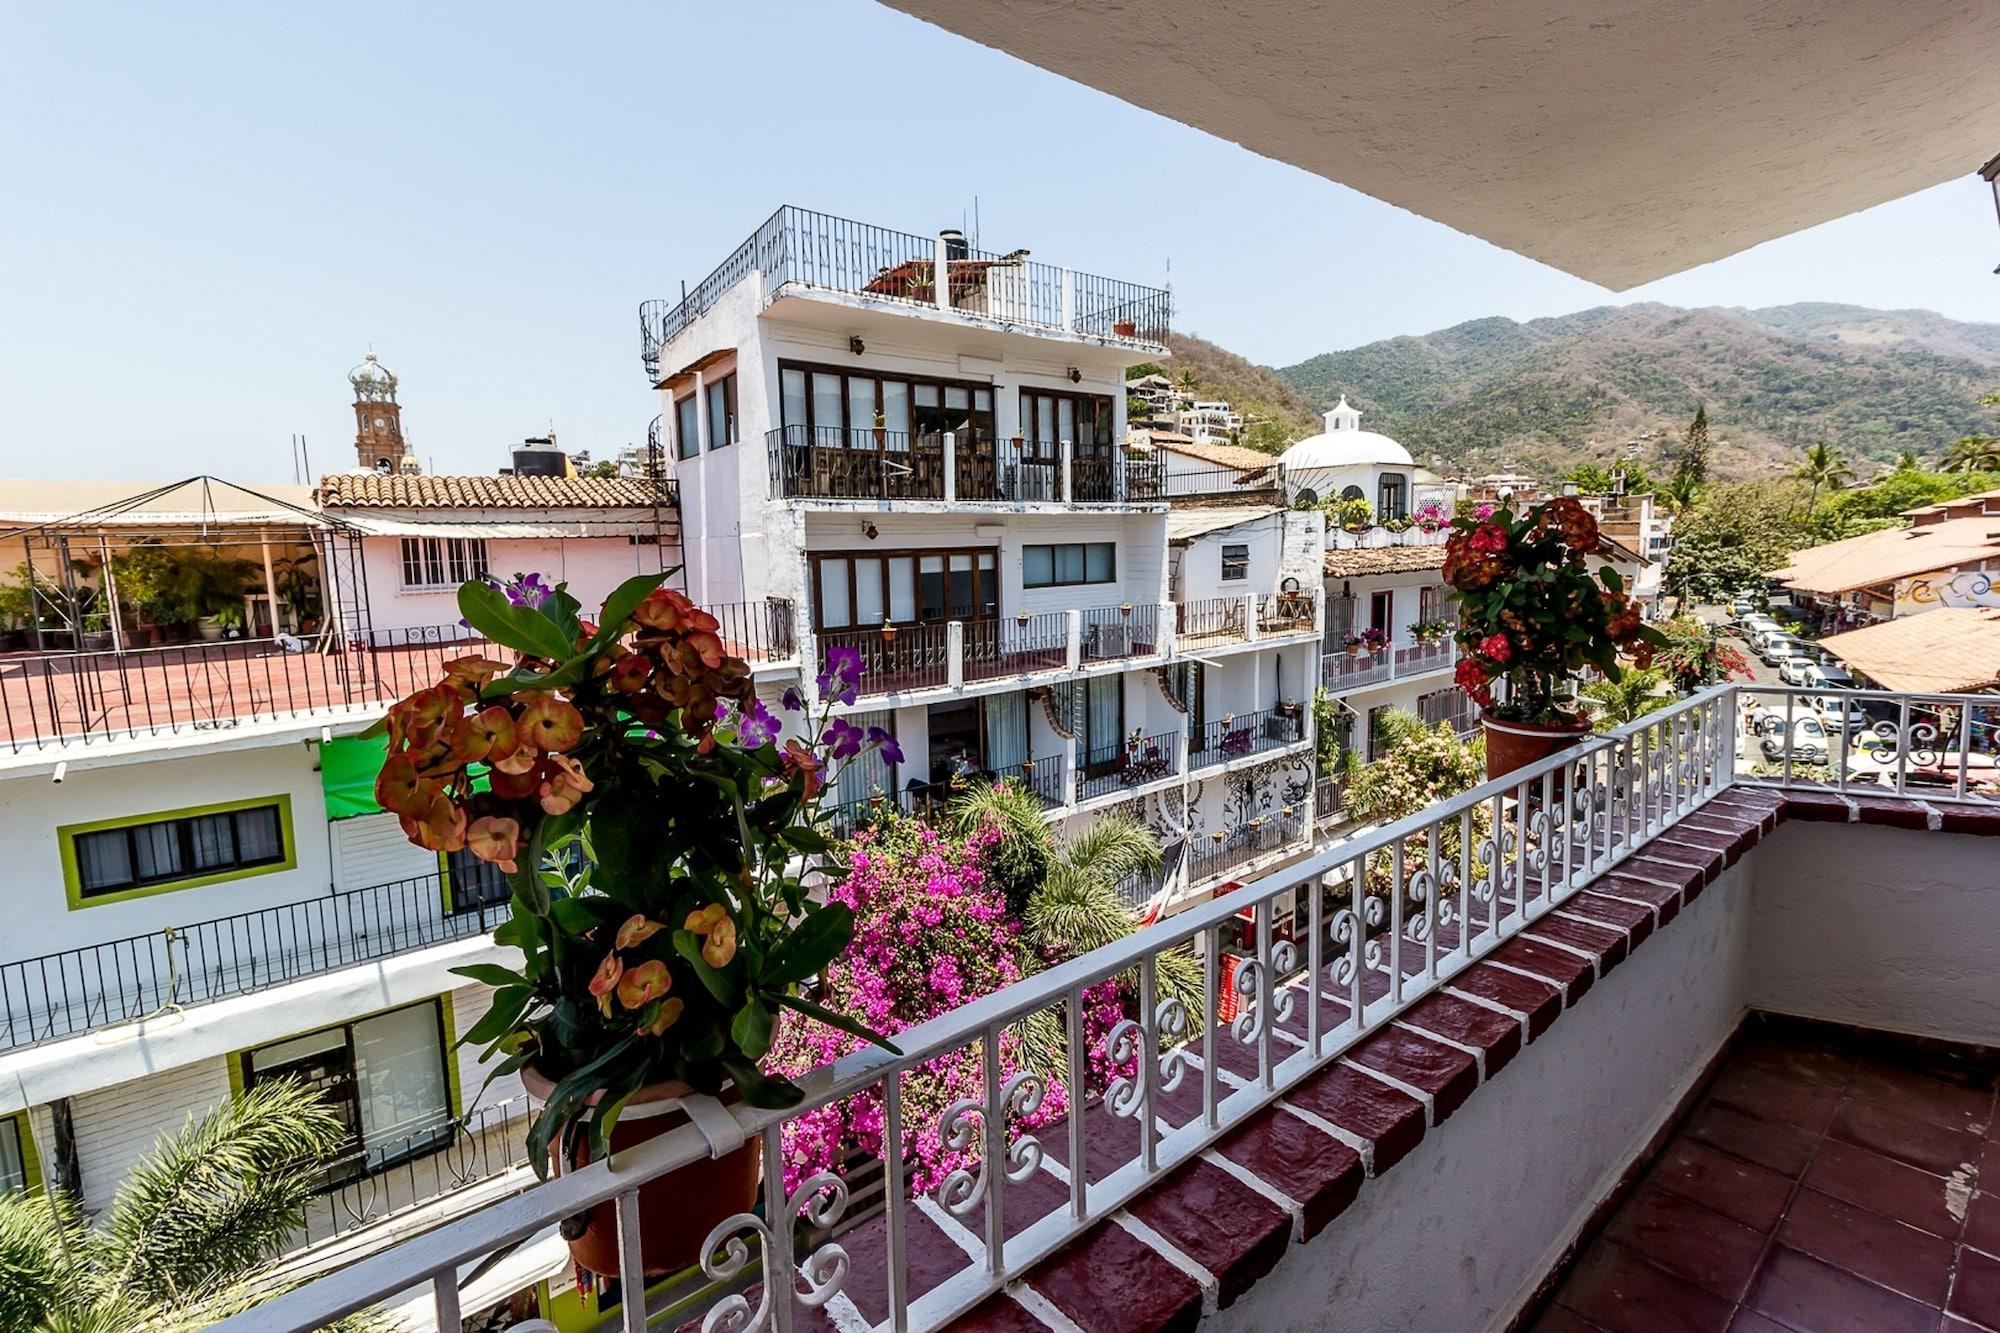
(1595, 479)
(1907, 461)
(1187, 381)
(1972, 453)
(1733, 536)
(1680, 492)
(1824, 468)
(1694, 447)
(192, 1236)
(1634, 694)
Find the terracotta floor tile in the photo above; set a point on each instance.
(1448, 1074)
(1109, 1278)
(1918, 1142)
(998, 1313)
(1622, 1293)
(1739, 1191)
(1688, 1241)
(1883, 1185)
(1800, 1291)
(1824, 1066)
(1982, 1223)
(1769, 1096)
(1749, 1321)
(1555, 1319)
(1935, 1101)
(1784, 1148)
(1901, 1258)
(1303, 1162)
(1975, 1289)
(1219, 1222)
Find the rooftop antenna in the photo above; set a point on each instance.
(975, 222)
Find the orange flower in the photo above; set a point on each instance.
(496, 839)
(721, 944)
(494, 727)
(549, 722)
(564, 786)
(798, 759)
(629, 673)
(637, 930)
(523, 758)
(416, 718)
(516, 786)
(670, 1013)
(442, 825)
(601, 985)
(703, 921)
(399, 789)
(642, 985)
(663, 609)
(472, 672)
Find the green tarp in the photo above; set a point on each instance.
(347, 770)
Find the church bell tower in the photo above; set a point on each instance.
(378, 419)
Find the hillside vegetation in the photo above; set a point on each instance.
(1622, 381)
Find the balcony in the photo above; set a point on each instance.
(798, 251)
(1217, 622)
(1243, 1156)
(1222, 852)
(885, 466)
(1132, 765)
(1242, 735)
(902, 659)
(82, 990)
(1344, 671)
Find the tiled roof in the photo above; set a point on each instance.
(1383, 560)
(1933, 652)
(374, 490)
(1187, 524)
(1893, 553)
(1222, 455)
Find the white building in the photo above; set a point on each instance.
(933, 475)
(1345, 462)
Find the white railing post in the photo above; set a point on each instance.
(1181, 752)
(1069, 773)
(1068, 455)
(950, 466)
(941, 275)
(1073, 630)
(1168, 630)
(954, 654)
(1068, 301)
(1250, 627)
(1319, 610)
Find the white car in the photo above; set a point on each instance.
(1808, 741)
(1792, 670)
(1775, 646)
(1823, 675)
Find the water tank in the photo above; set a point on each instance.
(539, 457)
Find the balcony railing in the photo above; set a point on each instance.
(1213, 620)
(1015, 645)
(1255, 485)
(1243, 734)
(1347, 671)
(1042, 778)
(897, 659)
(1114, 632)
(1871, 742)
(79, 990)
(1138, 889)
(1330, 799)
(1212, 857)
(833, 463)
(797, 248)
(1129, 764)
(757, 631)
(1280, 613)
(1298, 968)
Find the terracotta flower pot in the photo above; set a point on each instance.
(1124, 328)
(677, 1210)
(1512, 745)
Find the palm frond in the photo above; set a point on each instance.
(41, 1245)
(223, 1194)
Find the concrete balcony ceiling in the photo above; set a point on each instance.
(1620, 142)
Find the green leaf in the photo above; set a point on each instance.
(810, 841)
(1611, 579)
(565, 1099)
(618, 609)
(765, 1092)
(522, 628)
(490, 974)
(841, 1021)
(689, 947)
(509, 1002)
(816, 941)
(751, 1030)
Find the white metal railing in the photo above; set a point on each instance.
(1870, 742)
(1400, 661)
(1296, 967)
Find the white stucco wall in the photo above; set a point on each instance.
(1879, 927)
(592, 566)
(1460, 1231)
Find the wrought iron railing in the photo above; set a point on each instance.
(829, 463)
(1221, 852)
(896, 658)
(1139, 889)
(1015, 645)
(393, 1177)
(1935, 747)
(757, 631)
(1041, 777)
(797, 247)
(1181, 481)
(1330, 799)
(1212, 620)
(1298, 967)
(1133, 762)
(1242, 734)
(1110, 633)
(59, 700)
(79, 990)
(1346, 670)
(1280, 613)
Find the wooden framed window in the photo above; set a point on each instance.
(1048, 418)
(1068, 564)
(856, 589)
(833, 406)
(19, 1169)
(442, 562)
(113, 860)
(722, 412)
(1381, 611)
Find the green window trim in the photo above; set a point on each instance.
(67, 834)
(31, 1160)
(447, 1017)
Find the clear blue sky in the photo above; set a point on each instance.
(213, 211)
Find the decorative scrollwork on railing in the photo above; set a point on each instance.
(725, 1255)
(1538, 841)
(959, 1127)
(1284, 958)
(1418, 889)
(1341, 972)
(1249, 1024)
(1171, 1021)
(1482, 870)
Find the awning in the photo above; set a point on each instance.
(347, 770)
(582, 527)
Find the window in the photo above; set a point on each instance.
(475, 883)
(18, 1168)
(832, 407)
(904, 588)
(1047, 419)
(115, 859)
(442, 562)
(1381, 609)
(1393, 502)
(1430, 602)
(1235, 564)
(1073, 562)
(722, 413)
(687, 428)
(384, 1075)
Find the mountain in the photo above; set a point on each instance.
(1622, 381)
(1273, 409)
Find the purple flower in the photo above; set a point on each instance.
(841, 673)
(891, 752)
(843, 739)
(792, 700)
(529, 590)
(759, 727)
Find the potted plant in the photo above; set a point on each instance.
(1430, 518)
(657, 968)
(881, 428)
(1356, 514)
(1124, 328)
(230, 619)
(17, 609)
(1353, 645)
(1532, 614)
(96, 624)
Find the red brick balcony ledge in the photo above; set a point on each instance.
(1196, 1241)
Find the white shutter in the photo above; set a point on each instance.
(371, 849)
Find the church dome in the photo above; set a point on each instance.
(1343, 444)
(373, 381)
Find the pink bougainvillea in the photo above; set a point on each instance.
(930, 936)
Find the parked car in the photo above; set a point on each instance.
(1930, 772)
(1809, 743)
(1744, 604)
(1792, 670)
(1775, 646)
(1845, 714)
(1756, 623)
(1828, 676)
